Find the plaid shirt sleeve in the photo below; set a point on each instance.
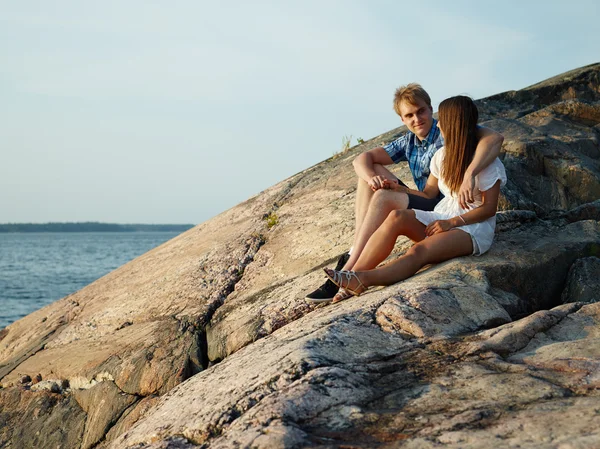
(397, 149)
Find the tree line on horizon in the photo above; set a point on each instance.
(92, 226)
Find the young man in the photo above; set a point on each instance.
(379, 192)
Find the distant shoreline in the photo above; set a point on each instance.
(91, 227)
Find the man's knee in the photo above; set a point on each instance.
(386, 196)
(391, 199)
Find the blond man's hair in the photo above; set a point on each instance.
(410, 93)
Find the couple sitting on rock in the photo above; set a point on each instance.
(455, 166)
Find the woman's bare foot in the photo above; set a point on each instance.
(348, 280)
(341, 295)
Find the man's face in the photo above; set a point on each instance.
(417, 117)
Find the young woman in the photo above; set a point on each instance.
(449, 230)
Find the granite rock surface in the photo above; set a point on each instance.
(206, 341)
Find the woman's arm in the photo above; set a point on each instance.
(487, 209)
(430, 191)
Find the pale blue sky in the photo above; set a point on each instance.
(171, 112)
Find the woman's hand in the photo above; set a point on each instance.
(377, 182)
(395, 186)
(438, 226)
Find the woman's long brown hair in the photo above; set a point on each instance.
(458, 119)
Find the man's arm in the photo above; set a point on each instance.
(488, 149)
(364, 167)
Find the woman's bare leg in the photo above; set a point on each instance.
(434, 249)
(381, 243)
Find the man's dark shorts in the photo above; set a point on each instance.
(420, 203)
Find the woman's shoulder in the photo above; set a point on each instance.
(436, 162)
(492, 173)
(439, 154)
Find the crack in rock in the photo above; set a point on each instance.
(229, 280)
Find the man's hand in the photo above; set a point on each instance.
(465, 193)
(437, 226)
(377, 182)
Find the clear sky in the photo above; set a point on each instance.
(171, 112)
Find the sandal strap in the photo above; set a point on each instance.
(341, 295)
(349, 275)
(343, 278)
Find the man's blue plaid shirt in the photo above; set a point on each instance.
(418, 154)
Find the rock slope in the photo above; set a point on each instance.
(206, 341)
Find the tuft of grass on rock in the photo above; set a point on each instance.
(346, 145)
(271, 219)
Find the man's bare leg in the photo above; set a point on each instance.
(364, 194)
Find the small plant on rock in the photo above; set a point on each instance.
(346, 143)
(272, 219)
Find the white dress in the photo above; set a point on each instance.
(481, 233)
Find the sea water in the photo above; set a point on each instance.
(39, 268)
